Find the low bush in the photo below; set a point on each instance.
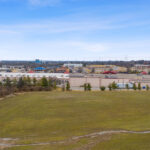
(102, 88)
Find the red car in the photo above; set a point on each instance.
(109, 72)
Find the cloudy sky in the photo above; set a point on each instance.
(74, 29)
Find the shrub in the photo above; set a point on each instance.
(20, 83)
(139, 86)
(147, 87)
(89, 87)
(68, 86)
(110, 87)
(114, 86)
(102, 88)
(127, 86)
(85, 87)
(44, 82)
(134, 87)
(63, 88)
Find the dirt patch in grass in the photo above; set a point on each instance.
(96, 138)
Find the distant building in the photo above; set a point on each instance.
(5, 70)
(39, 69)
(8, 68)
(104, 68)
(34, 75)
(73, 65)
(124, 85)
(37, 61)
(62, 70)
(96, 82)
(141, 68)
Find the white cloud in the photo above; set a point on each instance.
(37, 2)
(44, 2)
(88, 46)
(8, 32)
(59, 26)
(73, 23)
(73, 50)
(20, 49)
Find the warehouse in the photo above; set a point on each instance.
(77, 83)
(34, 75)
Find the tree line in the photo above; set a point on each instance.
(25, 84)
(114, 86)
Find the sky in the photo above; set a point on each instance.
(75, 30)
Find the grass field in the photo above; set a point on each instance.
(57, 117)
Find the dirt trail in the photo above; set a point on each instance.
(9, 142)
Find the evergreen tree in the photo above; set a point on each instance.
(110, 87)
(127, 86)
(55, 85)
(8, 82)
(25, 81)
(114, 86)
(14, 82)
(44, 82)
(34, 81)
(134, 87)
(50, 83)
(85, 87)
(147, 87)
(20, 83)
(89, 87)
(139, 86)
(1, 87)
(68, 86)
(28, 81)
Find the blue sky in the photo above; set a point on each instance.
(74, 29)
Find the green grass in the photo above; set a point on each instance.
(125, 142)
(56, 116)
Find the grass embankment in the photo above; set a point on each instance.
(58, 116)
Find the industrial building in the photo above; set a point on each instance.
(77, 82)
(34, 75)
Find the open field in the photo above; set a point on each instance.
(75, 121)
